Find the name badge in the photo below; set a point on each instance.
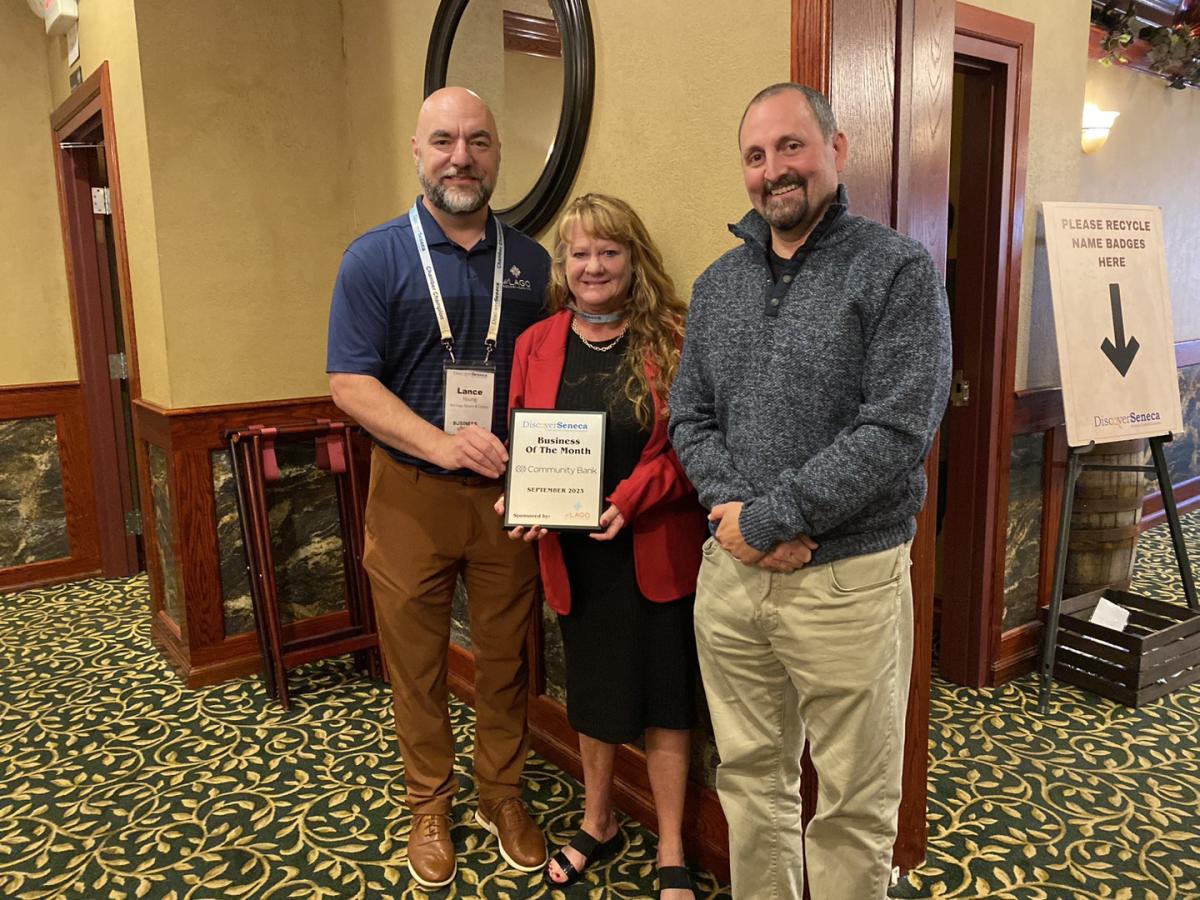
(469, 394)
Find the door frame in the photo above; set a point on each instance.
(970, 637)
(886, 67)
(90, 107)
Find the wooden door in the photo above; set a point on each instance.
(970, 425)
(98, 281)
(993, 57)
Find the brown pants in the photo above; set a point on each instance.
(422, 532)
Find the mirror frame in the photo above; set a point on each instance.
(537, 208)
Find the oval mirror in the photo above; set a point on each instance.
(532, 61)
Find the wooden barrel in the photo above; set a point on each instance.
(1104, 520)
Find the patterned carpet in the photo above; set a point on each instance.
(1093, 800)
(116, 782)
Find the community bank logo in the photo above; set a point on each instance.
(517, 282)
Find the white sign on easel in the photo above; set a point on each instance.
(1112, 316)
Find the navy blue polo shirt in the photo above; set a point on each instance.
(382, 323)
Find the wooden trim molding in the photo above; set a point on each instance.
(812, 43)
(532, 35)
(922, 109)
(1187, 499)
(1037, 410)
(1018, 653)
(62, 401)
(1187, 353)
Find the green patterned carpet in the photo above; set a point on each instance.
(1093, 800)
(116, 782)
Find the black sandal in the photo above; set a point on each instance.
(587, 846)
(676, 878)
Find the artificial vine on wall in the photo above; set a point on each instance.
(1172, 51)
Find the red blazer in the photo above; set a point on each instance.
(657, 500)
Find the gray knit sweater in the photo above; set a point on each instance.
(816, 411)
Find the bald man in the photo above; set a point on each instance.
(425, 312)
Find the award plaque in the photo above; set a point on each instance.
(555, 469)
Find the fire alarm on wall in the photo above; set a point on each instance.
(60, 15)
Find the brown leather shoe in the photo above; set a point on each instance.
(430, 850)
(521, 842)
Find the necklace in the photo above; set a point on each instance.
(599, 348)
(597, 318)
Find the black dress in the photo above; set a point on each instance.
(631, 662)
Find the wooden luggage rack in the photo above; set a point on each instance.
(254, 467)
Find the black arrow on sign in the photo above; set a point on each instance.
(1121, 354)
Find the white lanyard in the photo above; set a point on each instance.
(435, 292)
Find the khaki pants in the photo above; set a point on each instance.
(422, 531)
(823, 653)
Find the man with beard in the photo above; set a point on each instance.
(815, 370)
(425, 312)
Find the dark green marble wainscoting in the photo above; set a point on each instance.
(309, 575)
(1183, 453)
(553, 656)
(460, 617)
(1023, 545)
(164, 548)
(33, 520)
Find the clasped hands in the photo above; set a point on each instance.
(785, 557)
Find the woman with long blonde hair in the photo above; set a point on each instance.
(623, 594)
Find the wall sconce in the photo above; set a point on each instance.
(1096, 125)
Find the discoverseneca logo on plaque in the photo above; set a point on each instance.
(555, 469)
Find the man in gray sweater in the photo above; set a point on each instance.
(815, 372)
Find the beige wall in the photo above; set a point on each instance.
(249, 160)
(672, 79)
(385, 73)
(108, 32)
(233, 139)
(1150, 158)
(36, 341)
(1053, 170)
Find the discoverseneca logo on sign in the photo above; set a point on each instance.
(1133, 418)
